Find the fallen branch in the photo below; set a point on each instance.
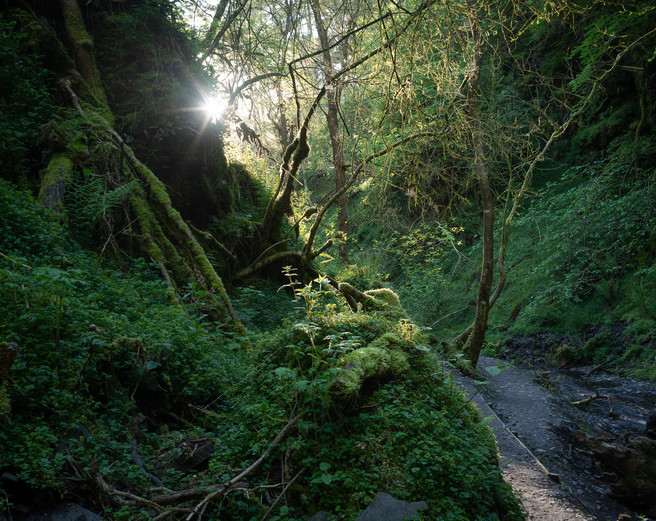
(168, 503)
(597, 367)
(225, 486)
(15, 262)
(449, 315)
(282, 494)
(596, 396)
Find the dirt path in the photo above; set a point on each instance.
(527, 420)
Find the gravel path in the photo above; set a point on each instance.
(525, 420)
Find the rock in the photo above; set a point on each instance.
(633, 460)
(386, 508)
(194, 455)
(323, 516)
(64, 512)
(650, 427)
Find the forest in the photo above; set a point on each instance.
(246, 245)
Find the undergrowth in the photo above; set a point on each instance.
(108, 366)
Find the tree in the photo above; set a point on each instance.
(164, 236)
(332, 95)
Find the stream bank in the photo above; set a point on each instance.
(534, 422)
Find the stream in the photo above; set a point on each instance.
(535, 403)
(626, 410)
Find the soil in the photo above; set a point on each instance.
(555, 478)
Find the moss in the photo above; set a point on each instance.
(390, 341)
(371, 362)
(54, 179)
(386, 295)
(565, 355)
(82, 45)
(5, 405)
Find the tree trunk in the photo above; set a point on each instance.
(332, 120)
(82, 47)
(474, 343)
(165, 236)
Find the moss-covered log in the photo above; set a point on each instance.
(381, 360)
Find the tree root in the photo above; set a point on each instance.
(160, 246)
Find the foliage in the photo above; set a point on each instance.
(87, 201)
(581, 255)
(26, 101)
(386, 436)
(100, 349)
(97, 348)
(413, 260)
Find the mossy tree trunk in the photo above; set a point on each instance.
(163, 236)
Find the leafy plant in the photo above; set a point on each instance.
(88, 201)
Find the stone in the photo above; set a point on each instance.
(64, 512)
(650, 427)
(633, 461)
(323, 516)
(386, 508)
(194, 455)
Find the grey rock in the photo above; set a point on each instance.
(64, 512)
(323, 516)
(386, 508)
(194, 455)
(650, 427)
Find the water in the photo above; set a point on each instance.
(626, 410)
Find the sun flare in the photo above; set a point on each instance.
(214, 108)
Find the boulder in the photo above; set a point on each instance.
(195, 455)
(386, 508)
(64, 512)
(633, 460)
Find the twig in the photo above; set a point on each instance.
(225, 486)
(447, 316)
(15, 262)
(597, 367)
(282, 494)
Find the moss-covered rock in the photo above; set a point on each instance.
(371, 362)
(54, 179)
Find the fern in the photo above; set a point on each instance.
(87, 202)
(114, 199)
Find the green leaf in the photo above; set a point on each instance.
(495, 370)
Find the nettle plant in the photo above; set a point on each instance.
(321, 304)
